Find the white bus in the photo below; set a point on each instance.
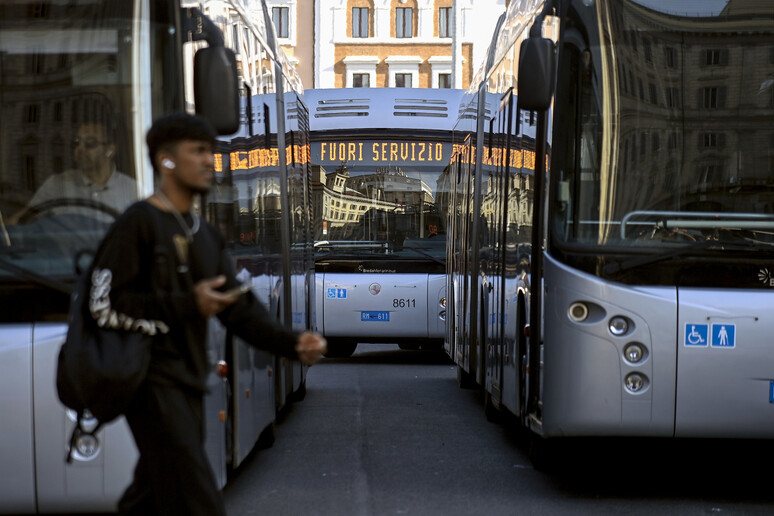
(612, 266)
(121, 64)
(378, 155)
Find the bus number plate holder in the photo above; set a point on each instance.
(375, 316)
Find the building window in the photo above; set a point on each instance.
(653, 93)
(711, 97)
(404, 18)
(712, 140)
(58, 109)
(361, 80)
(403, 80)
(671, 57)
(714, 57)
(444, 22)
(33, 113)
(235, 36)
(673, 97)
(360, 22)
(444, 80)
(279, 16)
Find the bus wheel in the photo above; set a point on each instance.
(543, 453)
(465, 380)
(340, 348)
(299, 394)
(267, 437)
(493, 413)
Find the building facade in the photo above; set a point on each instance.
(383, 43)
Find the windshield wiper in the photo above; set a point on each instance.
(35, 277)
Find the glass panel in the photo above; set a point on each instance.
(381, 196)
(444, 19)
(404, 22)
(67, 166)
(701, 83)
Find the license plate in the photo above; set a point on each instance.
(375, 316)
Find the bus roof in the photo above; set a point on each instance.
(382, 108)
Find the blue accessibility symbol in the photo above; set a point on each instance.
(724, 335)
(696, 335)
(336, 293)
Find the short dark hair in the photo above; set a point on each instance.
(175, 128)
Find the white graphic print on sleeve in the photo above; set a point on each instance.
(106, 317)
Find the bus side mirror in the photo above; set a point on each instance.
(537, 62)
(216, 88)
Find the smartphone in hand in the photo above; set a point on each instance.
(240, 289)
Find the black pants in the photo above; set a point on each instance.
(173, 474)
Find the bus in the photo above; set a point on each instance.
(378, 157)
(80, 84)
(612, 220)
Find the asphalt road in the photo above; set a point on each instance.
(389, 432)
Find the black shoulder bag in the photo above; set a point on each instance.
(99, 370)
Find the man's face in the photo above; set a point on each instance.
(194, 165)
(92, 151)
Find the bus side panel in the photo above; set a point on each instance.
(585, 369)
(94, 484)
(725, 376)
(436, 290)
(375, 305)
(17, 462)
(253, 392)
(216, 403)
(319, 302)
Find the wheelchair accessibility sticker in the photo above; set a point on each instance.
(696, 335)
(336, 293)
(716, 335)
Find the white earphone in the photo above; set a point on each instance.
(168, 163)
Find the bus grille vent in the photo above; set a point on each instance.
(341, 108)
(436, 108)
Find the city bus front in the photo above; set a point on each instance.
(80, 83)
(658, 276)
(380, 232)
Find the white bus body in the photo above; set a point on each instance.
(378, 159)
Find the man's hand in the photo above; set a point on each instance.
(310, 347)
(209, 300)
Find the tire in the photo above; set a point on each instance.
(299, 394)
(493, 413)
(267, 437)
(465, 380)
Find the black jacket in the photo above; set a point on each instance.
(142, 280)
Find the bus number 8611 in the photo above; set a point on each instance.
(404, 303)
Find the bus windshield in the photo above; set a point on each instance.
(669, 144)
(67, 161)
(380, 197)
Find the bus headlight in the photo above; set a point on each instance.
(85, 445)
(442, 315)
(578, 312)
(635, 382)
(633, 353)
(442, 302)
(618, 326)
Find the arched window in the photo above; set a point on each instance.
(360, 18)
(443, 19)
(404, 18)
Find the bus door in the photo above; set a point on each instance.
(725, 368)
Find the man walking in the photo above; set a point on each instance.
(163, 269)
